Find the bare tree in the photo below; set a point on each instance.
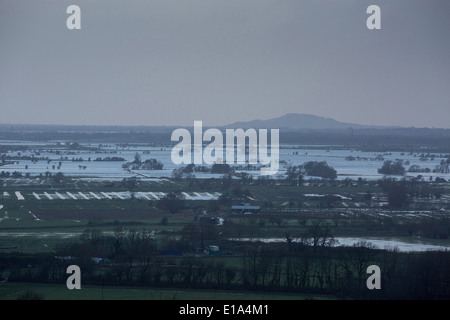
(319, 235)
(359, 258)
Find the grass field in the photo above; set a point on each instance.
(39, 225)
(12, 291)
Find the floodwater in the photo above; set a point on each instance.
(364, 164)
(379, 243)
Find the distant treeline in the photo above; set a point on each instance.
(369, 139)
(134, 258)
(376, 140)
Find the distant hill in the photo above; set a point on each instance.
(298, 122)
(294, 129)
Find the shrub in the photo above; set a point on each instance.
(392, 167)
(319, 169)
(31, 295)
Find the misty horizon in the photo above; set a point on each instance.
(171, 63)
(236, 124)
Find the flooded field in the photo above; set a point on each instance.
(90, 161)
(379, 243)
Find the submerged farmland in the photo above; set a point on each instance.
(108, 162)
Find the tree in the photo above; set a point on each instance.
(181, 172)
(398, 196)
(197, 234)
(392, 167)
(137, 164)
(319, 169)
(225, 199)
(144, 250)
(397, 193)
(172, 202)
(137, 158)
(152, 164)
(92, 236)
(320, 235)
(164, 221)
(59, 178)
(360, 257)
(442, 167)
(118, 241)
(294, 175)
(221, 168)
(130, 183)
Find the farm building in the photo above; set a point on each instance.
(245, 209)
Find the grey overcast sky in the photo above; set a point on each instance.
(170, 62)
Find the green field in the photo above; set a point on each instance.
(12, 291)
(147, 247)
(284, 211)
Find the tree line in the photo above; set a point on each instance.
(315, 265)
